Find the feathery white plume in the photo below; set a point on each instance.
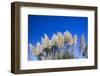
(75, 39)
(38, 49)
(31, 47)
(60, 39)
(82, 43)
(46, 43)
(54, 39)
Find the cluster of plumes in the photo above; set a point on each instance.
(60, 46)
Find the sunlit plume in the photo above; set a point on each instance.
(54, 39)
(66, 36)
(46, 43)
(60, 40)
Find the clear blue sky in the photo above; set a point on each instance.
(40, 24)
